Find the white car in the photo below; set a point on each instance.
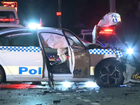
(36, 55)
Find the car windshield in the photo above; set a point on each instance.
(7, 14)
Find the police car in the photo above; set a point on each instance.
(32, 55)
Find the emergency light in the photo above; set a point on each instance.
(130, 51)
(34, 25)
(9, 20)
(10, 4)
(107, 31)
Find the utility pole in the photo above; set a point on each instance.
(59, 15)
(112, 5)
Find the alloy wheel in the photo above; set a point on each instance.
(109, 75)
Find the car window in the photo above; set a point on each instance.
(53, 40)
(19, 39)
(80, 36)
(107, 39)
(73, 40)
(7, 14)
(88, 38)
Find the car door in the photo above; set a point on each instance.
(79, 55)
(55, 48)
(21, 54)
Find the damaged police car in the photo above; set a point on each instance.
(51, 54)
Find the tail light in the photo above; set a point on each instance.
(10, 20)
(7, 20)
(107, 31)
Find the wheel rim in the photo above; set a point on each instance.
(109, 75)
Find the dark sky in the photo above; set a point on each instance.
(76, 14)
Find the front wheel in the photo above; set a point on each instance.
(109, 74)
(2, 77)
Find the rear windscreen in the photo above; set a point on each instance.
(7, 14)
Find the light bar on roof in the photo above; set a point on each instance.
(10, 4)
(7, 19)
(10, 20)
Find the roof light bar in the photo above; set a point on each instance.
(7, 19)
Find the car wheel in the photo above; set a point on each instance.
(109, 74)
(1, 76)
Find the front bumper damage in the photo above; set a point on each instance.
(132, 71)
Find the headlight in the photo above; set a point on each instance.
(130, 51)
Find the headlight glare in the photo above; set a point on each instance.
(130, 51)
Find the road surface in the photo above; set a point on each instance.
(29, 94)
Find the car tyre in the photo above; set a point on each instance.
(2, 77)
(109, 74)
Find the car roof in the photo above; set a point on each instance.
(2, 8)
(42, 29)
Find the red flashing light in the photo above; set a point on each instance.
(10, 4)
(7, 19)
(58, 13)
(10, 20)
(108, 31)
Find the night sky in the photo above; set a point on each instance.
(76, 14)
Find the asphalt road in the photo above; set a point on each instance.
(29, 94)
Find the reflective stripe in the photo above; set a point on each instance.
(105, 51)
(20, 49)
(92, 68)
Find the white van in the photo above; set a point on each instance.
(8, 18)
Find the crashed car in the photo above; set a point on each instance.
(51, 54)
(110, 31)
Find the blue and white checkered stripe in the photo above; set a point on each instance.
(20, 49)
(118, 53)
(105, 51)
